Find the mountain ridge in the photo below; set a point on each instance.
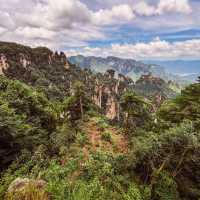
(128, 67)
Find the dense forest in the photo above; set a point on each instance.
(67, 133)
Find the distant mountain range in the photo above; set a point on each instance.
(187, 69)
(129, 67)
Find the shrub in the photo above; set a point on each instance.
(63, 137)
(133, 193)
(106, 136)
(165, 187)
(102, 123)
(82, 138)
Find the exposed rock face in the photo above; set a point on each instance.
(25, 62)
(107, 93)
(3, 64)
(112, 111)
(97, 97)
(56, 58)
(25, 56)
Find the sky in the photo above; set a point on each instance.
(138, 29)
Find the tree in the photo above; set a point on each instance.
(186, 106)
(79, 92)
(198, 80)
(135, 109)
(74, 105)
(27, 119)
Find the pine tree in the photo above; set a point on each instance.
(135, 110)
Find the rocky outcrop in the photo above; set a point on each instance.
(107, 92)
(3, 64)
(25, 56)
(97, 97)
(112, 111)
(24, 60)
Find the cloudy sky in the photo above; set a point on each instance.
(140, 29)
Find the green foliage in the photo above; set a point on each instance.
(26, 119)
(82, 138)
(76, 105)
(106, 136)
(165, 188)
(136, 110)
(157, 147)
(88, 191)
(99, 165)
(174, 150)
(42, 123)
(102, 123)
(133, 193)
(185, 106)
(62, 138)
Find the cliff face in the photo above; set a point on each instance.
(11, 53)
(107, 93)
(3, 64)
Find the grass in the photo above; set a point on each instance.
(30, 192)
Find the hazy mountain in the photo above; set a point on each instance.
(187, 69)
(128, 67)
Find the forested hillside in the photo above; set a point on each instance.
(67, 133)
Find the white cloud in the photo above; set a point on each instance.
(71, 23)
(32, 32)
(6, 20)
(118, 14)
(143, 9)
(48, 22)
(155, 49)
(181, 6)
(164, 6)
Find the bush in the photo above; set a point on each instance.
(133, 193)
(63, 137)
(102, 123)
(82, 138)
(165, 187)
(106, 136)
